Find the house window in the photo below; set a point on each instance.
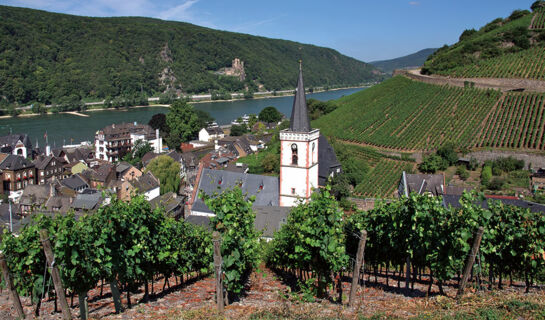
(294, 154)
(41, 173)
(292, 190)
(18, 185)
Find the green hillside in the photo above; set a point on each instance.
(45, 56)
(412, 60)
(513, 47)
(403, 114)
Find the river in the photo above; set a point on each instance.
(69, 129)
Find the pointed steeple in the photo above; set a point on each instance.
(299, 121)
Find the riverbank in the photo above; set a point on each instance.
(266, 95)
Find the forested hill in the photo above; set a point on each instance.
(46, 56)
(412, 60)
(512, 47)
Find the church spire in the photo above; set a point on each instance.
(299, 121)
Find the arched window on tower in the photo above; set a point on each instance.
(294, 154)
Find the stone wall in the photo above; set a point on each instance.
(482, 83)
(536, 160)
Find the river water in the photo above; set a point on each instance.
(69, 129)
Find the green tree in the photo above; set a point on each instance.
(238, 129)
(270, 115)
(167, 171)
(183, 124)
(138, 151)
(159, 121)
(433, 163)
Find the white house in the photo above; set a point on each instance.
(211, 133)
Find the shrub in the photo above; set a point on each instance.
(432, 164)
(517, 14)
(468, 33)
(486, 175)
(496, 183)
(462, 172)
(447, 152)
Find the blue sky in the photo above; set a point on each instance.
(367, 30)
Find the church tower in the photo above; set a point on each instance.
(298, 152)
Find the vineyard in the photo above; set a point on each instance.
(517, 121)
(378, 173)
(128, 245)
(408, 115)
(402, 114)
(416, 234)
(526, 64)
(538, 22)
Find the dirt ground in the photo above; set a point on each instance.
(268, 296)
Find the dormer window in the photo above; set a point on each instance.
(219, 181)
(294, 154)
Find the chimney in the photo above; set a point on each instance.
(52, 191)
(157, 134)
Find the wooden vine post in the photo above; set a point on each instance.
(9, 285)
(59, 290)
(470, 261)
(216, 239)
(357, 266)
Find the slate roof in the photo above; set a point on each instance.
(75, 182)
(202, 221)
(268, 219)
(59, 202)
(264, 188)
(299, 120)
(87, 201)
(13, 162)
(34, 194)
(42, 162)
(12, 139)
(170, 201)
(145, 182)
(122, 167)
(422, 183)
(327, 160)
(148, 157)
(216, 130)
(453, 200)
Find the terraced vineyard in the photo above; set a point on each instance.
(404, 114)
(526, 64)
(518, 121)
(385, 171)
(538, 22)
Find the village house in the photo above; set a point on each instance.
(17, 173)
(16, 144)
(116, 140)
(48, 167)
(146, 184)
(75, 183)
(211, 134)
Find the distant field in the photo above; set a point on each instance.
(527, 64)
(403, 114)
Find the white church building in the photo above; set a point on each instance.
(306, 162)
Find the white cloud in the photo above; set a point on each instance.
(414, 3)
(179, 12)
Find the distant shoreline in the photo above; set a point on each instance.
(81, 114)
